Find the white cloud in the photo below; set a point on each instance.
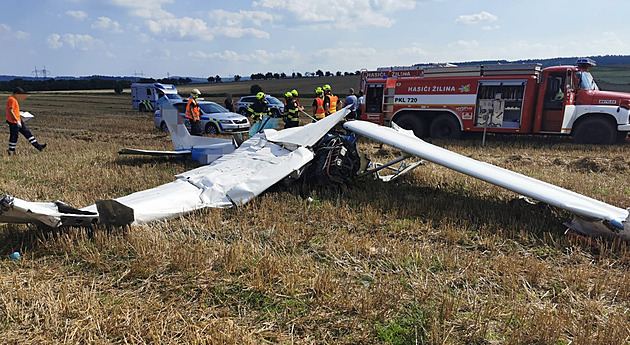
(258, 56)
(107, 24)
(231, 24)
(338, 14)
(465, 44)
(150, 9)
(491, 27)
(7, 33)
(80, 15)
(476, 18)
(181, 28)
(237, 18)
(73, 41)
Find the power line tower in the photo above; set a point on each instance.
(138, 75)
(44, 73)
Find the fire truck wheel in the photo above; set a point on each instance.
(445, 127)
(414, 123)
(595, 130)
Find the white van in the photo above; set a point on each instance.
(144, 96)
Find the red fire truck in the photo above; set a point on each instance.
(443, 102)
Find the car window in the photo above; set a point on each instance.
(247, 99)
(173, 96)
(273, 100)
(210, 108)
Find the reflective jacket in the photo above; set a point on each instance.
(257, 110)
(192, 110)
(291, 112)
(332, 103)
(320, 113)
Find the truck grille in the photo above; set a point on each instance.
(240, 121)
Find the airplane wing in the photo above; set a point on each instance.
(233, 179)
(553, 195)
(53, 214)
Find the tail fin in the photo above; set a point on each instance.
(182, 140)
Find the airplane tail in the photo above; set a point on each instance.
(182, 140)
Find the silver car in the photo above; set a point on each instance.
(214, 119)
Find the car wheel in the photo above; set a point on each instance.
(243, 111)
(275, 113)
(212, 129)
(163, 127)
(142, 108)
(445, 127)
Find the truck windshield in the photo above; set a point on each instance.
(586, 81)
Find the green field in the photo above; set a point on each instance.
(433, 258)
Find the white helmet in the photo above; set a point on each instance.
(195, 92)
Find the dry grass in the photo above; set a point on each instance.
(435, 258)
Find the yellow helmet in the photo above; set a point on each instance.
(288, 94)
(260, 95)
(294, 93)
(319, 90)
(326, 87)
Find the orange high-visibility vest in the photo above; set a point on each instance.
(320, 113)
(192, 109)
(332, 106)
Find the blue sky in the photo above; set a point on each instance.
(205, 38)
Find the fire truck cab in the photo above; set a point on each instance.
(443, 102)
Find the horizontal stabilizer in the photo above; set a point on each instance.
(127, 151)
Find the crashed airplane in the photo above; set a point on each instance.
(231, 175)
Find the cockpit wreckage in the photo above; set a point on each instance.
(231, 176)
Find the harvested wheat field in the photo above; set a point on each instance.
(433, 258)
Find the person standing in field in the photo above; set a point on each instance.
(229, 103)
(193, 112)
(351, 101)
(291, 117)
(295, 98)
(360, 102)
(330, 100)
(318, 104)
(16, 125)
(259, 108)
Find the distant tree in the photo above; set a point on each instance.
(319, 73)
(188, 80)
(276, 75)
(357, 73)
(217, 79)
(283, 75)
(268, 75)
(254, 89)
(293, 75)
(237, 77)
(338, 73)
(118, 88)
(299, 75)
(210, 79)
(328, 74)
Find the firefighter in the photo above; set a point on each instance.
(330, 100)
(295, 98)
(259, 108)
(16, 125)
(291, 117)
(193, 112)
(318, 104)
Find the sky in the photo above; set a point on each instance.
(195, 38)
